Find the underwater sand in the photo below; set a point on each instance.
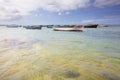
(49, 55)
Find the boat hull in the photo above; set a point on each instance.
(91, 26)
(67, 29)
(33, 27)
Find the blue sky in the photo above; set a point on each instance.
(79, 12)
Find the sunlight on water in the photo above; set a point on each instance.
(30, 56)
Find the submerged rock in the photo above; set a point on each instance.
(110, 76)
(66, 73)
(71, 74)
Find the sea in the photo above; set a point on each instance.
(27, 54)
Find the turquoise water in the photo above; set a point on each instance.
(93, 54)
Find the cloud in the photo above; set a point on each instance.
(67, 13)
(37, 15)
(63, 5)
(12, 9)
(103, 3)
(63, 13)
(16, 9)
(87, 21)
(59, 13)
(109, 19)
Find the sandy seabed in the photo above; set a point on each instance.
(25, 60)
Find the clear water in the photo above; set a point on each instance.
(93, 54)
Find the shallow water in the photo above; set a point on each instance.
(48, 55)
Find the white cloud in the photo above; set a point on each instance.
(12, 9)
(59, 13)
(111, 18)
(103, 3)
(87, 21)
(63, 13)
(37, 15)
(62, 5)
(67, 13)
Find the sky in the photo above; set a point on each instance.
(25, 12)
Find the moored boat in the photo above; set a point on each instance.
(13, 26)
(50, 26)
(91, 26)
(76, 28)
(33, 27)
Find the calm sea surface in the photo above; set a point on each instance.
(93, 54)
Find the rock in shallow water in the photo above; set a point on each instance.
(71, 74)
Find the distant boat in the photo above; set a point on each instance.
(13, 26)
(50, 26)
(76, 28)
(106, 26)
(91, 26)
(32, 27)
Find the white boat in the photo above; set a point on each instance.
(76, 28)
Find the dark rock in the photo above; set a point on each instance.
(71, 74)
